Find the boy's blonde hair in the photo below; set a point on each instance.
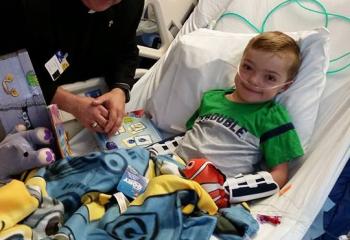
(277, 42)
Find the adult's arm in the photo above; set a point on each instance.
(120, 76)
(82, 108)
(121, 73)
(12, 26)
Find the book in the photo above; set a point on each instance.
(21, 99)
(137, 129)
(61, 136)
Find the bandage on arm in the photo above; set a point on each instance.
(249, 187)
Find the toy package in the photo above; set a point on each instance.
(61, 136)
(21, 99)
(136, 130)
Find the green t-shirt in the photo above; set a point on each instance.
(237, 136)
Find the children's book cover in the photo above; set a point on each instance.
(21, 99)
(137, 129)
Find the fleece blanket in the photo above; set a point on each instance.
(76, 198)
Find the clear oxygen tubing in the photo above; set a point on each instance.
(323, 12)
(243, 77)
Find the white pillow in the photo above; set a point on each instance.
(207, 59)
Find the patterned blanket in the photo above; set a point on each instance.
(76, 199)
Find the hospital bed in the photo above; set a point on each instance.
(329, 147)
(169, 16)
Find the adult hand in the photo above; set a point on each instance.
(114, 102)
(91, 116)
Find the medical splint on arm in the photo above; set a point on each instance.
(249, 187)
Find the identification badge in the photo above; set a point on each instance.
(57, 65)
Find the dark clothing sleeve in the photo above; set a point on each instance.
(124, 70)
(101, 44)
(11, 25)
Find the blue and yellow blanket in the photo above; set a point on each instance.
(75, 199)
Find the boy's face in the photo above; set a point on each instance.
(261, 76)
(100, 5)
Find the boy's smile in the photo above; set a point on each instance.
(261, 76)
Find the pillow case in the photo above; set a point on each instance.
(207, 59)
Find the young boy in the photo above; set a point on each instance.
(237, 128)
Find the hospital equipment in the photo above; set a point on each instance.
(170, 15)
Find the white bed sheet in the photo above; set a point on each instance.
(313, 177)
